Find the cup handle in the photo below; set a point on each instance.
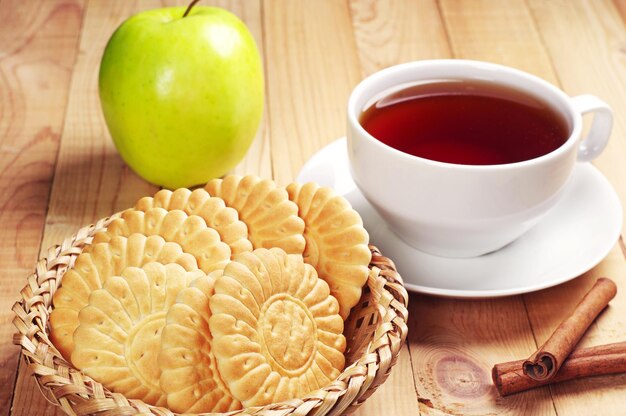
(597, 138)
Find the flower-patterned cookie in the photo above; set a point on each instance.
(277, 333)
(223, 219)
(118, 338)
(272, 219)
(94, 266)
(190, 231)
(189, 375)
(336, 242)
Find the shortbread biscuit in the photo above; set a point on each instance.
(336, 242)
(223, 219)
(190, 231)
(189, 375)
(119, 336)
(271, 218)
(94, 266)
(277, 333)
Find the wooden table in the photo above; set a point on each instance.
(59, 169)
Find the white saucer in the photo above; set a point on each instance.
(575, 236)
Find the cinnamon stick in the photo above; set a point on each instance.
(545, 363)
(585, 362)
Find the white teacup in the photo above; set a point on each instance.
(467, 210)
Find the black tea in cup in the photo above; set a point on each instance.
(467, 122)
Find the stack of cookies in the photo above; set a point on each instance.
(215, 299)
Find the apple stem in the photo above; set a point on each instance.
(193, 3)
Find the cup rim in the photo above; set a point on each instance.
(357, 92)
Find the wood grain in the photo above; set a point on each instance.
(454, 344)
(90, 179)
(495, 31)
(37, 52)
(588, 46)
(312, 65)
(390, 32)
(586, 42)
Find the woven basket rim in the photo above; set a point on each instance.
(64, 385)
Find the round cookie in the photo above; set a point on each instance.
(272, 219)
(119, 334)
(336, 242)
(223, 219)
(276, 330)
(190, 231)
(189, 375)
(94, 266)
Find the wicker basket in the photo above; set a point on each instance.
(375, 331)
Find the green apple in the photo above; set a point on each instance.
(182, 96)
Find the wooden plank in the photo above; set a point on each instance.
(594, 64)
(304, 115)
(89, 173)
(496, 31)
(390, 32)
(513, 39)
(37, 52)
(312, 65)
(91, 181)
